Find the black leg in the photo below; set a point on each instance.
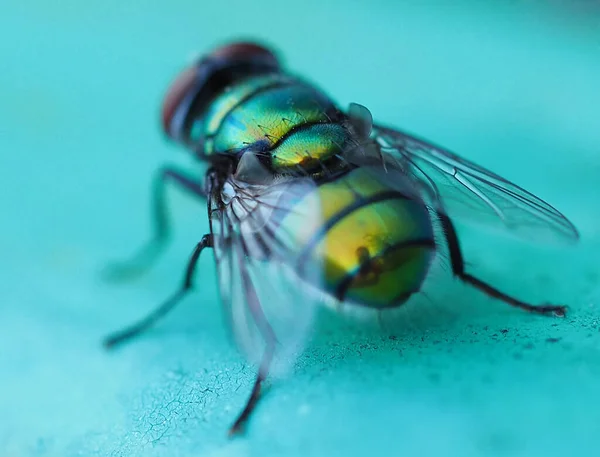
(269, 335)
(458, 268)
(143, 325)
(252, 401)
(143, 259)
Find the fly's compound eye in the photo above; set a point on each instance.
(175, 95)
(193, 90)
(245, 50)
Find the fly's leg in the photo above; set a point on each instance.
(458, 268)
(263, 370)
(143, 259)
(252, 401)
(144, 324)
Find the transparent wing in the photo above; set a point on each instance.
(256, 231)
(462, 188)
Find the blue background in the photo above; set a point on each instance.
(513, 87)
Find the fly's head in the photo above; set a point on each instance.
(192, 92)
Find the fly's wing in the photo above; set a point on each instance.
(462, 188)
(263, 296)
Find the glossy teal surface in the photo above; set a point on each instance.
(513, 87)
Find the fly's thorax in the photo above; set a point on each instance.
(375, 242)
(292, 125)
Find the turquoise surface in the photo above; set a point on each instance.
(514, 88)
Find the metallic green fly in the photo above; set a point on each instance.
(310, 204)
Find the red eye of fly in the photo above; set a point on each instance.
(188, 78)
(243, 50)
(175, 95)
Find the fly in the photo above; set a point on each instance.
(309, 204)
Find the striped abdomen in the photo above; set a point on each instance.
(376, 243)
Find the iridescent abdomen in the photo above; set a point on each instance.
(289, 121)
(376, 242)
